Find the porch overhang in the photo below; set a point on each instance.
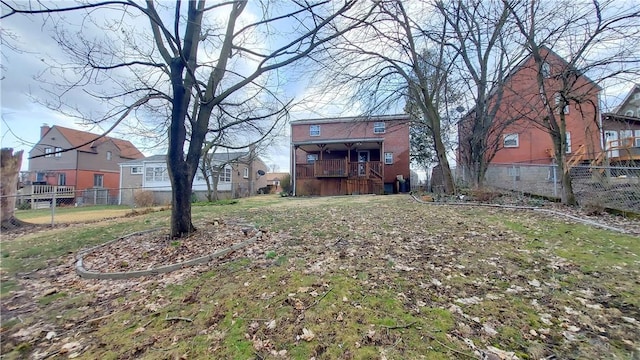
(338, 144)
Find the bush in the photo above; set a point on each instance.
(143, 198)
(285, 183)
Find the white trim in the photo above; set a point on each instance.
(512, 136)
(391, 158)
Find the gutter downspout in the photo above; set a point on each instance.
(120, 187)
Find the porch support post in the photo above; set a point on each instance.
(293, 167)
(349, 146)
(382, 162)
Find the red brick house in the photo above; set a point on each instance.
(93, 165)
(621, 130)
(517, 134)
(351, 155)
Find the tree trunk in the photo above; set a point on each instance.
(181, 199)
(567, 197)
(447, 178)
(10, 164)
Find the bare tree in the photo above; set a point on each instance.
(449, 102)
(385, 64)
(207, 64)
(477, 33)
(596, 39)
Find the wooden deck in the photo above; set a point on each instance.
(339, 168)
(37, 194)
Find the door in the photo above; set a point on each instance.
(611, 140)
(363, 159)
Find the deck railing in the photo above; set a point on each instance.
(49, 190)
(339, 168)
(330, 168)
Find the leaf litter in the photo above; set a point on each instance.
(510, 293)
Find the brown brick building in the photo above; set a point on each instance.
(351, 155)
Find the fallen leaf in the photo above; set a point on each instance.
(307, 335)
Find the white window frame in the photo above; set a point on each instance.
(379, 127)
(225, 175)
(98, 180)
(568, 142)
(545, 69)
(508, 137)
(314, 130)
(388, 158)
(135, 170)
(62, 179)
(48, 152)
(245, 173)
(58, 152)
(109, 155)
(637, 138)
(636, 96)
(312, 158)
(156, 174)
(628, 113)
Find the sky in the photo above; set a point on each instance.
(24, 95)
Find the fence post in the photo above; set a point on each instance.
(53, 205)
(555, 181)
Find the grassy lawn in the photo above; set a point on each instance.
(367, 277)
(69, 214)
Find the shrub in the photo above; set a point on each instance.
(285, 183)
(143, 198)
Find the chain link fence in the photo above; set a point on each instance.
(614, 187)
(49, 201)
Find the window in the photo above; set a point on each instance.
(378, 128)
(314, 130)
(637, 138)
(568, 143)
(628, 113)
(514, 172)
(98, 180)
(109, 155)
(636, 96)
(40, 177)
(157, 173)
(511, 140)
(388, 158)
(58, 152)
(225, 175)
(62, 179)
(48, 152)
(311, 158)
(546, 69)
(558, 98)
(136, 170)
(245, 173)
